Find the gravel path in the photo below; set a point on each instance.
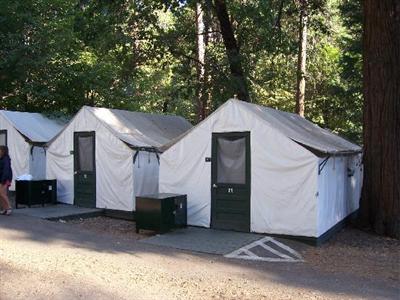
(52, 260)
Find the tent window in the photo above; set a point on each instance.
(86, 152)
(3, 137)
(231, 160)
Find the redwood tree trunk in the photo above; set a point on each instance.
(380, 205)
(232, 51)
(302, 58)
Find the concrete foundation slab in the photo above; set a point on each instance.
(204, 240)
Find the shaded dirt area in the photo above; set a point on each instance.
(40, 259)
(108, 226)
(358, 253)
(352, 252)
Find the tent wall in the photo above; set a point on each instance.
(146, 171)
(114, 164)
(37, 162)
(19, 150)
(338, 193)
(283, 174)
(355, 181)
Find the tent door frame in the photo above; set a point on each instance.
(4, 131)
(227, 191)
(82, 178)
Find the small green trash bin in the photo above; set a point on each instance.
(161, 212)
(33, 192)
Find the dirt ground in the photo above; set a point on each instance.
(358, 253)
(101, 259)
(351, 251)
(109, 226)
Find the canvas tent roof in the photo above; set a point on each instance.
(141, 130)
(34, 126)
(294, 127)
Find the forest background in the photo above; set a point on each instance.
(170, 57)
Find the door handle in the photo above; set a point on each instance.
(214, 186)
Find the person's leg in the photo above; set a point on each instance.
(5, 202)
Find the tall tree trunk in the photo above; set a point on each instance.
(232, 51)
(380, 204)
(201, 53)
(302, 58)
(207, 74)
(279, 16)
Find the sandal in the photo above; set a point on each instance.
(6, 212)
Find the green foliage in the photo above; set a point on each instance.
(57, 55)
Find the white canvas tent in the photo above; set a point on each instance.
(105, 157)
(253, 168)
(26, 135)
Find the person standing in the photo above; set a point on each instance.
(5, 180)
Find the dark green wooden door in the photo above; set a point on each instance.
(85, 169)
(230, 180)
(3, 137)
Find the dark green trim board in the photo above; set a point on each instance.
(322, 239)
(230, 202)
(84, 180)
(335, 229)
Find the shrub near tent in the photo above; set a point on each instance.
(253, 168)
